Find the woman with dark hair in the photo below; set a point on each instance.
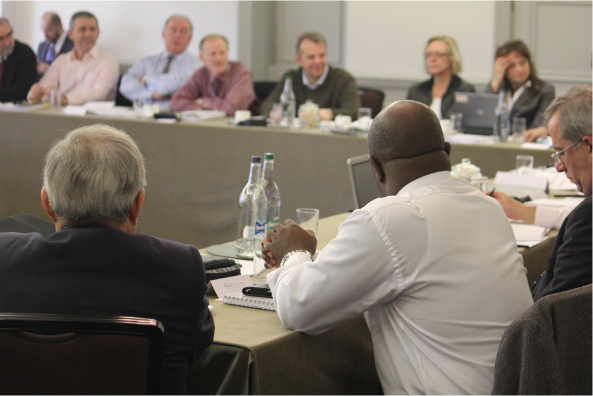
(442, 62)
(526, 95)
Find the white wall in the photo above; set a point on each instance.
(387, 39)
(132, 29)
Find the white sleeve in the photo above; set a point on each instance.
(352, 274)
(549, 217)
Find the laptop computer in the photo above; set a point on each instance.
(478, 111)
(362, 180)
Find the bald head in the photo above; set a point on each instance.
(405, 129)
(406, 142)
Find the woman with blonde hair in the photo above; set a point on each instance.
(443, 63)
(526, 95)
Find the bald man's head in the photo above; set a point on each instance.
(405, 129)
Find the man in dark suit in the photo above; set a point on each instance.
(17, 66)
(569, 125)
(56, 41)
(95, 264)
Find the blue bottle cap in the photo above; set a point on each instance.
(255, 159)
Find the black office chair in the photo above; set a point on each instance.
(262, 90)
(372, 98)
(547, 350)
(121, 100)
(25, 223)
(57, 354)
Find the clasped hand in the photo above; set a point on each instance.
(285, 238)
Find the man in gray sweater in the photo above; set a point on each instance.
(333, 89)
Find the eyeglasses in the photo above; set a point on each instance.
(437, 54)
(2, 38)
(556, 156)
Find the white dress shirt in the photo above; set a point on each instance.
(436, 271)
(318, 82)
(180, 70)
(91, 78)
(549, 217)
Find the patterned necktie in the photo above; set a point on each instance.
(216, 86)
(50, 55)
(169, 59)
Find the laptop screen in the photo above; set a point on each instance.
(362, 180)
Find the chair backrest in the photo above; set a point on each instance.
(26, 223)
(262, 90)
(362, 181)
(372, 98)
(547, 350)
(56, 354)
(121, 100)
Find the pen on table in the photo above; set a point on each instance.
(492, 192)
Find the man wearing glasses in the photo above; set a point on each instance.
(18, 66)
(569, 123)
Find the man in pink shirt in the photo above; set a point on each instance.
(86, 73)
(219, 84)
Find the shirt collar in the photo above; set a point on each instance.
(318, 82)
(424, 181)
(222, 76)
(93, 53)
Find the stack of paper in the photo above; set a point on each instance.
(528, 234)
(197, 115)
(466, 138)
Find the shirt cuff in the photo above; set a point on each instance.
(546, 216)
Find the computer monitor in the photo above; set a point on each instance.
(362, 180)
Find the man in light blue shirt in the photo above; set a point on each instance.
(155, 78)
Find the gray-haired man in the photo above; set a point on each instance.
(95, 264)
(157, 77)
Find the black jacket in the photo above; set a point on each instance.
(19, 74)
(99, 271)
(422, 93)
(569, 265)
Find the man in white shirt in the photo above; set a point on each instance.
(433, 265)
(87, 73)
(56, 41)
(156, 78)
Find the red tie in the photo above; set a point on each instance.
(1, 69)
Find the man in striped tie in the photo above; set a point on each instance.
(155, 78)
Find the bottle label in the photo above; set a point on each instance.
(260, 228)
(271, 223)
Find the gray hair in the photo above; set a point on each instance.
(315, 37)
(191, 27)
(575, 113)
(82, 14)
(5, 21)
(93, 175)
(213, 36)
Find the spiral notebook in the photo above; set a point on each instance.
(251, 302)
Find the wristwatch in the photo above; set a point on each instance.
(290, 254)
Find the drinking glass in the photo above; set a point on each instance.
(276, 114)
(519, 127)
(308, 218)
(456, 122)
(524, 164)
(481, 182)
(364, 111)
(55, 98)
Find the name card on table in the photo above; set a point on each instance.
(74, 110)
(231, 285)
(528, 182)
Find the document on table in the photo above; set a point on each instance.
(466, 138)
(556, 203)
(19, 107)
(557, 180)
(197, 115)
(528, 234)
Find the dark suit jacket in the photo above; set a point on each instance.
(531, 105)
(422, 93)
(19, 74)
(95, 270)
(569, 265)
(44, 46)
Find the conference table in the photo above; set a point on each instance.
(253, 353)
(197, 169)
